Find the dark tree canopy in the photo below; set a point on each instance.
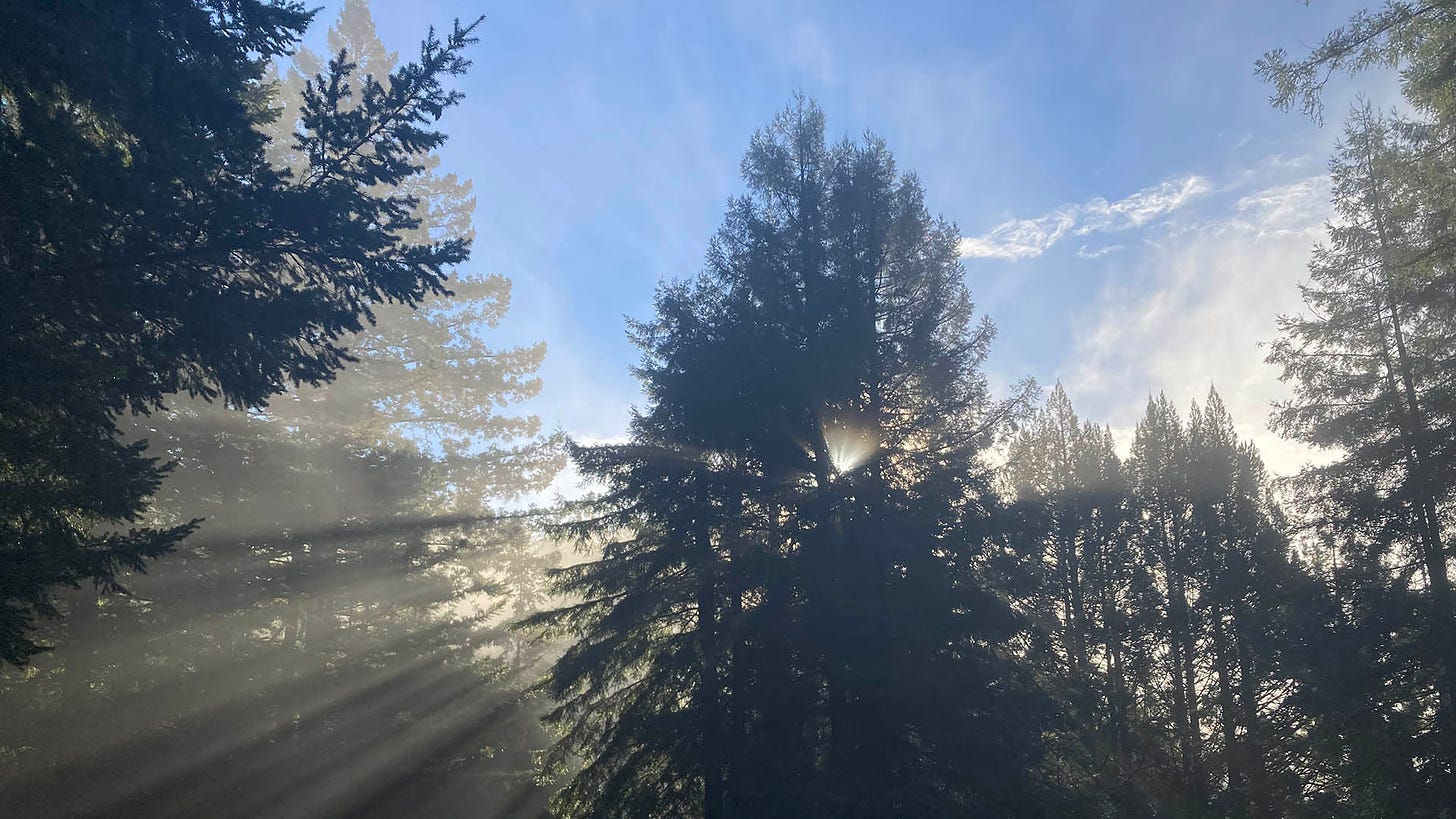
(797, 609)
(1369, 362)
(1414, 36)
(331, 641)
(149, 248)
(1163, 586)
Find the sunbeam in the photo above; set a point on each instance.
(849, 447)
(301, 518)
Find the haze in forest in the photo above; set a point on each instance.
(727, 410)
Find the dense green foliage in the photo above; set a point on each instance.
(331, 641)
(796, 610)
(1370, 363)
(1167, 589)
(1371, 366)
(149, 248)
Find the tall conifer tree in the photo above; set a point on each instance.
(1370, 367)
(154, 251)
(798, 610)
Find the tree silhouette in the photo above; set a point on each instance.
(1369, 363)
(331, 641)
(157, 252)
(1168, 603)
(796, 611)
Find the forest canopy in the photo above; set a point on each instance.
(283, 532)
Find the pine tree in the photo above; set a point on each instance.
(330, 642)
(1370, 367)
(1159, 470)
(1414, 36)
(155, 251)
(1250, 590)
(797, 609)
(1072, 489)
(1369, 364)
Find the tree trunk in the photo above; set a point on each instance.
(709, 684)
(1229, 719)
(1414, 429)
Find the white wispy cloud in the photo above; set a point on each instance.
(1026, 238)
(1084, 252)
(1192, 310)
(1286, 207)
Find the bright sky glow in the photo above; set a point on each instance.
(848, 449)
(1135, 214)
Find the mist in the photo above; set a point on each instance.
(335, 484)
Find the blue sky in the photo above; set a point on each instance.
(1135, 212)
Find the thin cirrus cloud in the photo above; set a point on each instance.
(1026, 238)
(1085, 252)
(1192, 308)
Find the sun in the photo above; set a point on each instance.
(848, 450)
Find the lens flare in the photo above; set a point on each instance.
(848, 449)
